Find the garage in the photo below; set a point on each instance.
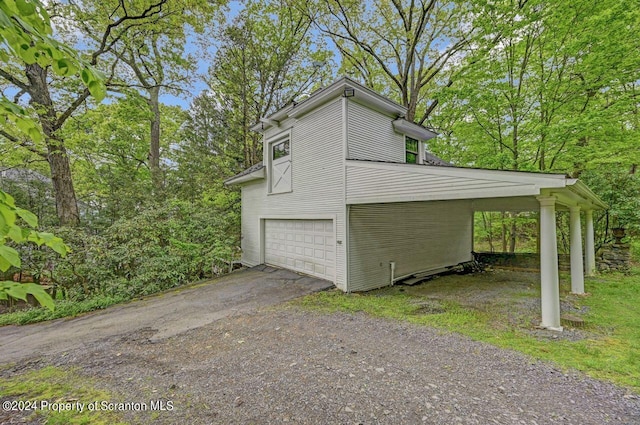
(306, 246)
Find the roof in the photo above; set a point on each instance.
(431, 159)
(254, 172)
(337, 88)
(380, 182)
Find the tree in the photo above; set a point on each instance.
(55, 96)
(111, 165)
(156, 58)
(25, 31)
(549, 94)
(403, 50)
(265, 61)
(205, 154)
(11, 231)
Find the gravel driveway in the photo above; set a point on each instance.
(285, 365)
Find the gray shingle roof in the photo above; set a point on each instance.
(254, 167)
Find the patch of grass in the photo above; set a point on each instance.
(610, 351)
(64, 308)
(56, 385)
(635, 250)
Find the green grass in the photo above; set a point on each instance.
(611, 350)
(64, 308)
(56, 385)
(635, 249)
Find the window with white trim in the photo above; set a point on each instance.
(280, 166)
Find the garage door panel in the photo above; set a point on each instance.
(307, 246)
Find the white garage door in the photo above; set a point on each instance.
(306, 246)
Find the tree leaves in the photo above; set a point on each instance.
(21, 290)
(25, 34)
(9, 257)
(554, 94)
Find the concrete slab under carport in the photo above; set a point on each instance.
(162, 315)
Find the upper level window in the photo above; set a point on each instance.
(411, 150)
(280, 150)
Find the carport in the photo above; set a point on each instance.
(416, 218)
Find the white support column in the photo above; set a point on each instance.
(577, 266)
(549, 281)
(589, 242)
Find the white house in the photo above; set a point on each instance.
(346, 192)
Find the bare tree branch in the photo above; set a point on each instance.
(72, 108)
(153, 10)
(15, 81)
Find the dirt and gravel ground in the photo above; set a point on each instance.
(168, 313)
(285, 365)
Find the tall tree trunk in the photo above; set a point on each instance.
(66, 204)
(489, 229)
(154, 149)
(63, 190)
(503, 218)
(512, 242)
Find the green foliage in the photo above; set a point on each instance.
(401, 49)
(505, 232)
(25, 34)
(63, 308)
(620, 190)
(161, 247)
(12, 232)
(111, 144)
(32, 193)
(544, 97)
(635, 250)
(265, 61)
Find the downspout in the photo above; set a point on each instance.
(393, 271)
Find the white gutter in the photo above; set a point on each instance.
(413, 130)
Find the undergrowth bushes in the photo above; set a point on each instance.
(161, 247)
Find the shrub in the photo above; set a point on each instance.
(161, 247)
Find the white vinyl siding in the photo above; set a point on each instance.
(371, 136)
(317, 162)
(253, 195)
(369, 183)
(417, 236)
(306, 246)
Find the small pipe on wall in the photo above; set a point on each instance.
(392, 264)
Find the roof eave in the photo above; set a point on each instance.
(584, 192)
(321, 96)
(416, 131)
(246, 178)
